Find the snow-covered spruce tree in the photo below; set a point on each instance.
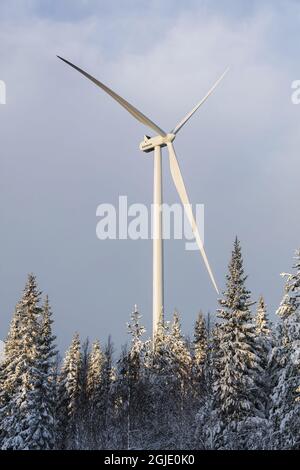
(236, 360)
(45, 393)
(83, 431)
(200, 341)
(182, 386)
(135, 353)
(158, 365)
(170, 369)
(69, 396)
(263, 326)
(208, 421)
(199, 354)
(136, 330)
(134, 388)
(123, 436)
(180, 355)
(8, 376)
(28, 418)
(83, 376)
(108, 435)
(285, 412)
(140, 356)
(265, 343)
(95, 394)
(94, 376)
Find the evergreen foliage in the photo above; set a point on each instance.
(233, 386)
(285, 412)
(27, 380)
(236, 357)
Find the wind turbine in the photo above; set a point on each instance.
(156, 143)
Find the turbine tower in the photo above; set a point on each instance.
(155, 144)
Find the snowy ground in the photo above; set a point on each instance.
(1, 350)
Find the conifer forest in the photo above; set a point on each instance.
(233, 384)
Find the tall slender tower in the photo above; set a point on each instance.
(158, 252)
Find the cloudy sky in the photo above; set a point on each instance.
(67, 147)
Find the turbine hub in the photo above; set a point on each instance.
(149, 143)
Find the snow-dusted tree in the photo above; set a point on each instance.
(170, 368)
(133, 386)
(158, 368)
(8, 376)
(182, 386)
(83, 434)
(45, 393)
(200, 341)
(83, 375)
(265, 343)
(199, 355)
(180, 355)
(85, 359)
(28, 415)
(108, 429)
(208, 420)
(285, 412)
(94, 376)
(263, 326)
(136, 330)
(94, 391)
(69, 396)
(136, 350)
(236, 358)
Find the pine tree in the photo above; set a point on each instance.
(181, 357)
(8, 376)
(94, 376)
(182, 387)
(83, 376)
(133, 387)
(43, 419)
(83, 426)
(136, 330)
(261, 319)
(94, 383)
(200, 341)
(69, 395)
(109, 432)
(206, 418)
(170, 371)
(139, 386)
(28, 421)
(236, 359)
(135, 359)
(158, 368)
(265, 343)
(200, 352)
(285, 413)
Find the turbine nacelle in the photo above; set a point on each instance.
(149, 143)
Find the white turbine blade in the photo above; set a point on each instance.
(179, 184)
(190, 114)
(131, 109)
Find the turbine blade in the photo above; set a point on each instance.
(179, 184)
(131, 109)
(190, 114)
